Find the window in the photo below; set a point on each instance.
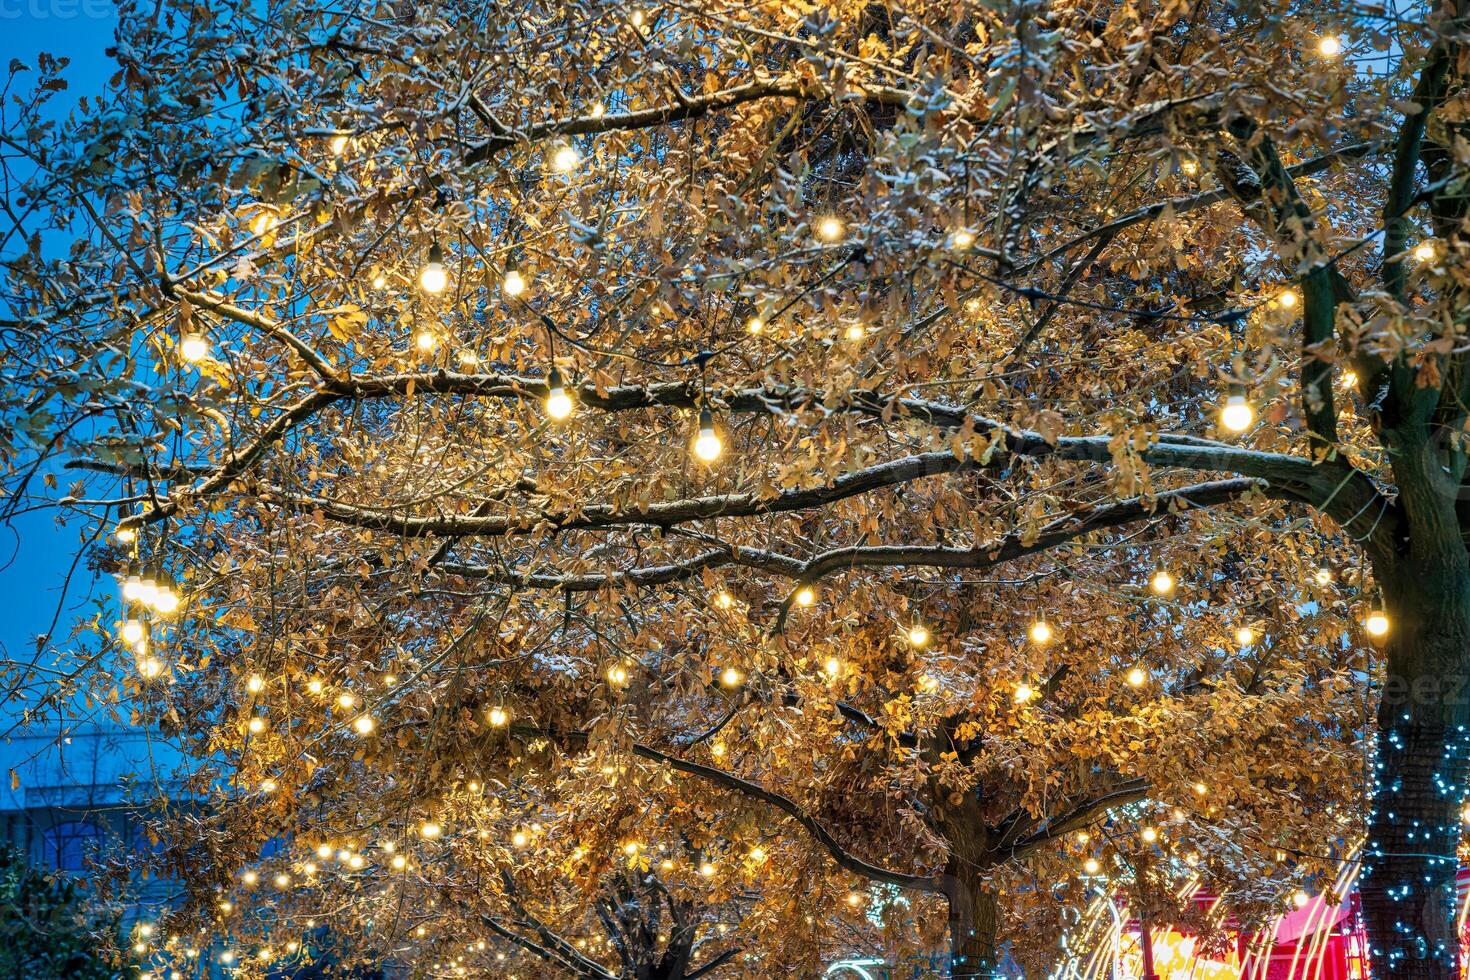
(66, 846)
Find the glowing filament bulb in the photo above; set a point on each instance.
(364, 724)
(1024, 692)
(1377, 623)
(1323, 576)
(730, 677)
(1424, 252)
(499, 717)
(132, 631)
(430, 830)
(707, 446)
(805, 596)
(514, 284)
(1091, 866)
(338, 144)
(255, 684)
(918, 635)
(830, 228)
(1162, 582)
(519, 838)
(724, 600)
(193, 347)
(1149, 835)
(618, 674)
(558, 402)
(150, 667)
(256, 725)
(1245, 636)
(962, 239)
(1237, 415)
(1300, 898)
(1190, 167)
(126, 535)
(1330, 46)
(754, 325)
(1136, 677)
(706, 869)
(832, 667)
(425, 341)
(1041, 632)
(565, 159)
(434, 278)
(1287, 299)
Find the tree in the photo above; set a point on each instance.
(953, 288)
(46, 931)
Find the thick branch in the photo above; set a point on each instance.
(812, 826)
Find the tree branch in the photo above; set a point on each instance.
(812, 826)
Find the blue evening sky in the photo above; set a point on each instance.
(34, 554)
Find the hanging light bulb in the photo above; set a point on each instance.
(338, 144)
(805, 596)
(1377, 623)
(1040, 632)
(1091, 866)
(1424, 251)
(724, 600)
(730, 677)
(148, 587)
(499, 717)
(514, 283)
(433, 278)
(961, 239)
(364, 724)
(150, 667)
(754, 325)
(565, 158)
(1237, 415)
(255, 684)
(425, 341)
(1300, 898)
(1137, 676)
(707, 446)
(519, 838)
(918, 635)
(430, 830)
(558, 402)
(1024, 692)
(125, 535)
(1190, 167)
(132, 585)
(1245, 636)
(132, 631)
(1162, 582)
(1287, 299)
(830, 228)
(1330, 46)
(1149, 835)
(256, 724)
(380, 281)
(193, 347)
(165, 596)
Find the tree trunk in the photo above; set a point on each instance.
(974, 924)
(1409, 861)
